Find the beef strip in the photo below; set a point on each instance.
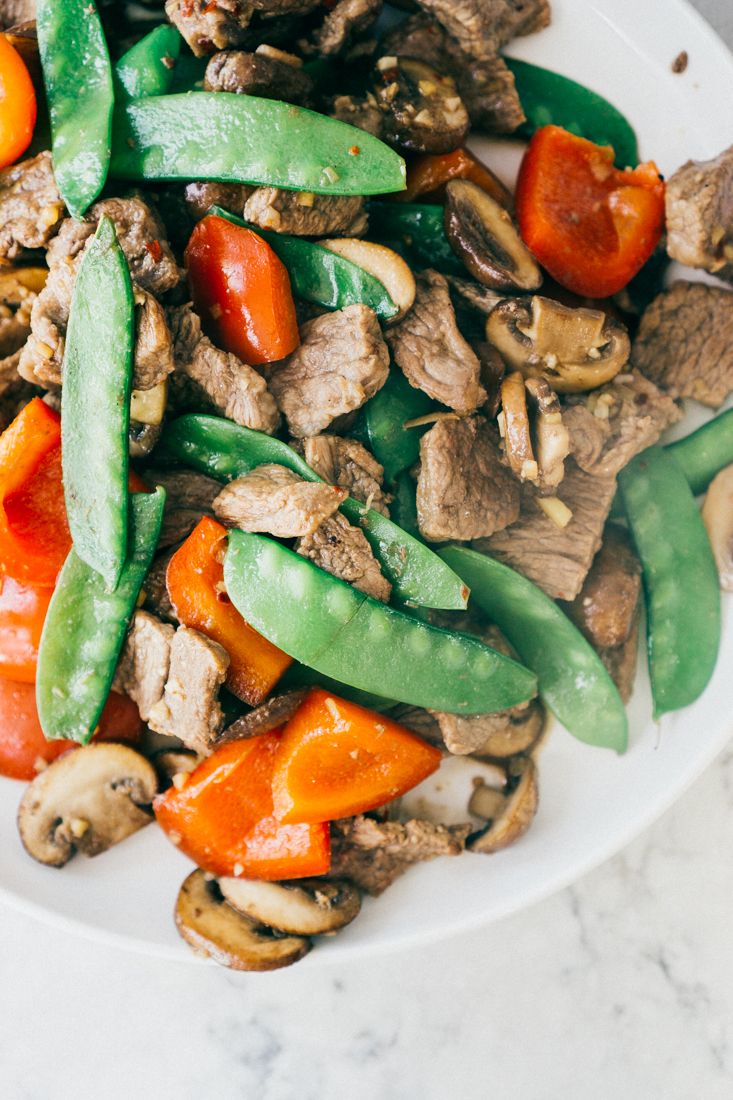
(342, 361)
(621, 660)
(274, 500)
(359, 111)
(372, 854)
(431, 352)
(303, 214)
(206, 374)
(556, 558)
(15, 392)
(343, 27)
(699, 209)
(153, 342)
(189, 708)
(463, 490)
(144, 664)
(612, 424)
(263, 719)
(607, 605)
(347, 463)
(685, 342)
(13, 12)
(142, 238)
(30, 206)
(343, 551)
(189, 496)
(200, 195)
(481, 27)
(258, 74)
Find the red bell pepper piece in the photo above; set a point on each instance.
(590, 225)
(427, 176)
(23, 610)
(17, 104)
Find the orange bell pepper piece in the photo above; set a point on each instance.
(222, 817)
(17, 104)
(337, 759)
(195, 580)
(427, 176)
(590, 225)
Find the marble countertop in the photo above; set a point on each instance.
(619, 986)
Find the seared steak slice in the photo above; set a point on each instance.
(607, 605)
(278, 502)
(343, 551)
(189, 497)
(30, 206)
(144, 665)
(200, 195)
(153, 342)
(699, 207)
(685, 342)
(347, 463)
(189, 708)
(303, 214)
(208, 26)
(258, 74)
(343, 25)
(463, 490)
(142, 238)
(269, 716)
(481, 27)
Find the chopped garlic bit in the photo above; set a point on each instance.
(305, 198)
(556, 510)
(78, 826)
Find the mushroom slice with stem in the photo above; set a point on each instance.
(482, 234)
(551, 438)
(86, 800)
(717, 514)
(383, 263)
(423, 112)
(574, 349)
(514, 428)
(511, 817)
(214, 929)
(148, 406)
(304, 907)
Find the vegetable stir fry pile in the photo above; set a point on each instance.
(325, 454)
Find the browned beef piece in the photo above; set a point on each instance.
(431, 352)
(189, 496)
(206, 374)
(347, 463)
(607, 605)
(157, 601)
(343, 551)
(189, 708)
(153, 342)
(557, 558)
(372, 854)
(497, 735)
(463, 490)
(481, 27)
(303, 214)
(699, 207)
(142, 238)
(612, 424)
(685, 342)
(15, 392)
(144, 665)
(200, 195)
(360, 111)
(343, 27)
(16, 11)
(342, 361)
(276, 501)
(263, 719)
(210, 26)
(30, 206)
(621, 661)
(258, 74)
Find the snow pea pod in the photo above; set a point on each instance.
(573, 681)
(78, 77)
(95, 405)
(550, 99)
(321, 276)
(224, 450)
(705, 452)
(338, 631)
(85, 628)
(148, 67)
(679, 575)
(417, 229)
(246, 139)
(381, 424)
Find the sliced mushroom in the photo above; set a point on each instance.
(717, 514)
(174, 762)
(86, 801)
(148, 406)
(305, 907)
(381, 262)
(514, 428)
(551, 439)
(214, 929)
(142, 438)
(574, 349)
(423, 111)
(482, 234)
(511, 818)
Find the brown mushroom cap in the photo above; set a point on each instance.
(717, 514)
(514, 815)
(304, 907)
(423, 112)
(482, 234)
(86, 801)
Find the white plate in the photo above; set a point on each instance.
(592, 802)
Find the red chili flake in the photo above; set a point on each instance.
(354, 151)
(187, 9)
(153, 248)
(211, 6)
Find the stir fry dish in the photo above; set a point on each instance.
(327, 458)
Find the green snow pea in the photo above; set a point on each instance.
(404, 504)
(680, 578)
(573, 681)
(95, 405)
(224, 450)
(300, 676)
(246, 139)
(85, 628)
(333, 628)
(550, 99)
(416, 229)
(320, 276)
(78, 77)
(381, 424)
(705, 452)
(148, 67)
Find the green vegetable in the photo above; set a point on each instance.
(78, 77)
(148, 67)
(680, 578)
(320, 276)
(95, 406)
(245, 139)
(380, 424)
(416, 229)
(573, 681)
(224, 450)
(338, 631)
(403, 508)
(298, 676)
(706, 451)
(85, 628)
(550, 99)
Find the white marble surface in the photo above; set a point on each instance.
(621, 986)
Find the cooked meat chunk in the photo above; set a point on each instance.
(15, 326)
(699, 208)
(342, 362)
(275, 500)
(142, 671)
(463, 489)
(16, 11)
(347, 463)
(360, 111)
(142, 238)
(303, 214)
(343, 551)
(189, 708)
(201, 195)
(343, 25)
(614, 423)
(257, 74)
(621, 661)
(480, 27)
(607, 605)
(205, 373)
(557, 558)
(263, 719)
(372, 854)
(30, 206)
(153, 342)
(210, 26)
(431, 352)
(501, 734)
(15, 392)
(685, 342)
(157, 601)
(189, 496)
